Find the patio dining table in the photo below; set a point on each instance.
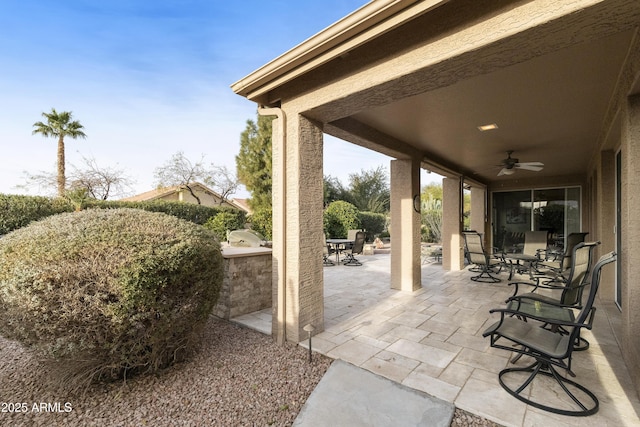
(337, 244)
(520, 261)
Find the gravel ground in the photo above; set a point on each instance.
(237, 378)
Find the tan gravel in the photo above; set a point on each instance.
(238, 377)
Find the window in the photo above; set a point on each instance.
(556, 210)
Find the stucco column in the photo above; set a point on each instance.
(478, 210)
(606, 219)
(452, 252)
(297, 218)
(405, 225)
(630, 229)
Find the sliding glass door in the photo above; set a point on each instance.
(555, 210)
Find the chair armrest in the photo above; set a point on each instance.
(523, 315)
(534, 297)
(517, 286)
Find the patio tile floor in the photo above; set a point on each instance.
(431, 340)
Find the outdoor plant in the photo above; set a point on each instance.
(103, 294)
(431, 214)
(339, 218)
(372, 223)
(262, 221)
(226, 220)
(17, 211)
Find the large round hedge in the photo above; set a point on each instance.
(108, 292)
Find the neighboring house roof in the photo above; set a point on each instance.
(163, 192)
(243, 204)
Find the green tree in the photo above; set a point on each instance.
(253, 162)
(333, 190)
(59, 125)
(369, 190)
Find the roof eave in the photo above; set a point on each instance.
(370, 21)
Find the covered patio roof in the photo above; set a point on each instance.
(548, 84)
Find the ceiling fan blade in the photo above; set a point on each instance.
(530, 166)
(505, 171)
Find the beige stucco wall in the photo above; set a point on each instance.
(452, 243)
(405, 225)
(630, 253)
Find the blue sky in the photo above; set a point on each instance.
(146, 79)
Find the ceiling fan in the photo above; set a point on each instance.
(510, 164)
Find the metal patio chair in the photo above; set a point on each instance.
(357, 248)
(557, 264)
(327, 251)
(484, 263)
(550, 350)
(535, 243)
(561, 297)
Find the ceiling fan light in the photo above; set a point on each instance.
(508, 172)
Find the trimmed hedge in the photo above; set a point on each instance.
(16, 211)
(197, 214)
(108, 293)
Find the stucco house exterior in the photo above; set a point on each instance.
(451, 86)
(180, 193)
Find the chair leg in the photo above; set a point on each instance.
(588, 405)
(351, 261)
(485, 276)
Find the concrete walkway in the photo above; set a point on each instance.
(339, 400)
(431, 340)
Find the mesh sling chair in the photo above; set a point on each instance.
(560, 298)
(484, 262)
(535, 243)
(557, 265)
(356, 248)
(549, 350)
(327, 250)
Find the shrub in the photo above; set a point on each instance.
(198, 214)
(262, 221)
(226, 220)
(17, 211)
(372, 223)
(339, 218)
(107, 293)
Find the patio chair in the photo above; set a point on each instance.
(535, 243)
(327, 251)
(485, 263)
(567, 296)
(549, 350)
(356, 249)
(558, 263)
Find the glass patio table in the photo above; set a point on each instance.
(339, 245)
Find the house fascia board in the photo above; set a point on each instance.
(366, 23)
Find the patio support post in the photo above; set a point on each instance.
(478, 219)
(630, 229)
(405, 225)
(452, 252)
(298, 207)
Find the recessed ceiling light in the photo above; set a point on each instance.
(485, 128)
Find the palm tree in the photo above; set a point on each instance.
(59, 125)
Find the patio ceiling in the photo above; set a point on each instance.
(417, 78)
(549, 109)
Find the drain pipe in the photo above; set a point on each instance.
(282, 226)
